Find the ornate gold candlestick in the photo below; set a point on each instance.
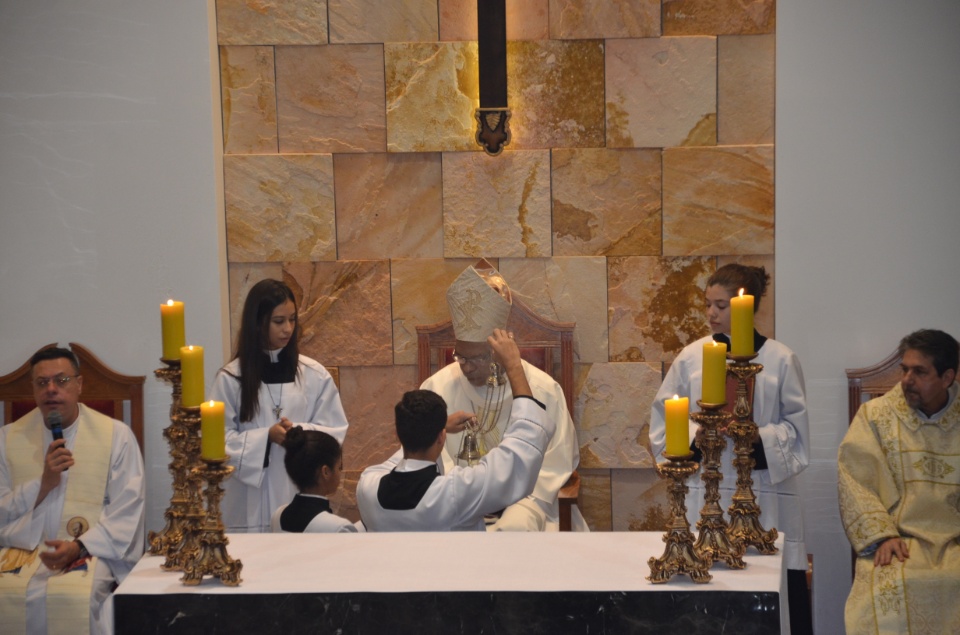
(679, 556)
(189, 499)
(211, 558)
(744, 511)
(714, 533)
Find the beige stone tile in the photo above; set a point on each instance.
(496, 206)
(368, 395)
(431, 95)
(555, 93)
(362, 21)
(275, 22)
(344, 311)
(241, 276)
(661, 92)
(594, 502)
(718, 201)
(566, 290)
(572, 19)
(331, 98)
(419, 297)
(388, 205)
(764, 320)
(656, 306)
(248, 100)
(606, 202)
(639, 501)
(612, 412)
(745, 89)
(279, 207)
(526, 20)
(719, 17)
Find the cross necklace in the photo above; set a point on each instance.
(277, 408)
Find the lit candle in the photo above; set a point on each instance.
(171, 327)
(678, 427)
(191, 376)
(212, 445)
(741, 325)
(714, 388)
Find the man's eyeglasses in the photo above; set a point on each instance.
(61, 380)
(476, 360)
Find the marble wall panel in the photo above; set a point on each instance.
(580, 19)
(388, 205)
(279, 207)
(661, 92)
(716, 17)
(594, 500)
(331, 98)
(639, 502)
(396, 21)
(718, 200)
(606, 202)
(242, 276)
(566, 290)
(764, 319)
(612, 411)
(745, 89)
(344, 311)
(368, 395)
(655, 306)
(431, 93)
(248, 100)
(275, 22)
(419, 296)
(496, 206)
(526, 20)
(555, 94)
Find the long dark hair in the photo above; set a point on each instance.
(264, 297)
(306, 452)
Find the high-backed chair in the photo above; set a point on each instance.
(104, 390)
(544, 343)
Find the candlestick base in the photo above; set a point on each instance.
(160, 543)
(714, 536)
(744, 511)
(493, 129)
(679, 556)
(179, 539)
(211, 557)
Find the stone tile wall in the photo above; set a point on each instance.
(641, 159)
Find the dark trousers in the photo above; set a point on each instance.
(798, 596)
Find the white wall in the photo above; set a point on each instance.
(109, 197)
(868, 184)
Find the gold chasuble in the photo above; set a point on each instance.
(900, 476)
(67, 592)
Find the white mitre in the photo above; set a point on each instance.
(479, 301)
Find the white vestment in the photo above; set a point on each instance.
(116, 538)
(780, 412)
(457, 500)
(254, 491)
(539, 511)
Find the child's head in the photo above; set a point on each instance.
(314, 460)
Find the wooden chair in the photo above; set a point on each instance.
(546, 344)
(104, 390)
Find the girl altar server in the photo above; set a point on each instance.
(268, 389)
(780, 412)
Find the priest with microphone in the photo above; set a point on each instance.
(71, 507)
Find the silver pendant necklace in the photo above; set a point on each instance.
(277, 408)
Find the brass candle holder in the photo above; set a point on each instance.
(679, 556)
(188, 499)
(211, 557)
(744, 511)
(714, 534)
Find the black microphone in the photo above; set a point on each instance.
(55, 421)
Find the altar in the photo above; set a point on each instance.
(447, 583)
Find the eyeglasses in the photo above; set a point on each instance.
(61, 380)
(476, 360)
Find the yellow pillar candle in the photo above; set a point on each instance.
(741, 325)
(212, 444)
(191, 376)
(714, 380)
(171, 328)
(678, 427)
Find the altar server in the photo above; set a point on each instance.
(413, 492)
(71, 507)
(267, 389)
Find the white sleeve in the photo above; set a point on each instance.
(325, 410)
(785, 440)
(676, 382)
(246, 445)
(21, 524)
